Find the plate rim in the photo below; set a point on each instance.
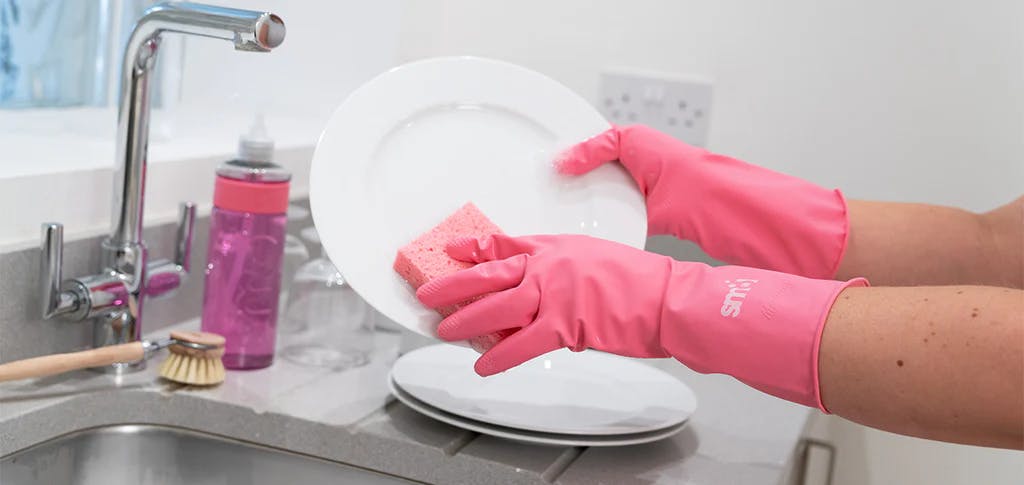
(527, 436)
(590, 353)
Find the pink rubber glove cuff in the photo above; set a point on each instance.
(766, 332)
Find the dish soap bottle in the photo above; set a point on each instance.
(244, 257)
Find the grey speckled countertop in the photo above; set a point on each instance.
(737, 436)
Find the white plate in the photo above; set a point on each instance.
(586, 393)
(530, 437)
(416, 143)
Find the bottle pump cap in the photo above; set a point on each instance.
(256, 146)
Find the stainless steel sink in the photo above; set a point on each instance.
(144, 454)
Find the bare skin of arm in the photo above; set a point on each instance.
(898, 244)
(936, 362)
(943, 363)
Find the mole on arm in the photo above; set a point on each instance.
(899, 363)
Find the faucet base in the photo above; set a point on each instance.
(120, 326)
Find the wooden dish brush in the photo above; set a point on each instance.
(194, 359)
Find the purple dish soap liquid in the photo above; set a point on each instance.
(246, 249)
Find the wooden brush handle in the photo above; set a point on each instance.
(59, 363)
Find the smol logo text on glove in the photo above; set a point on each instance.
(738, 290)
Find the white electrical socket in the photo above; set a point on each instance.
(677, 105)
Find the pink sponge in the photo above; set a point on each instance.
(425, 259)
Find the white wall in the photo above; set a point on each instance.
(870, 457)
(331, 47)
(904, 100)
(911, 100)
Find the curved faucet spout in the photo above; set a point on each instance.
(247, 30)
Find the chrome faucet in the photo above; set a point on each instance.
(114, 297)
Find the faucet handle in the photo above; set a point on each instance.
(163, 277)
(186, 232)
(56, 301)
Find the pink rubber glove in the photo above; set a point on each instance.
(759, 326)
(737, 212)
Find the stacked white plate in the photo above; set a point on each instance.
(562, 398)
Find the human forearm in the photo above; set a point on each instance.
(943, 363)
(898, 244)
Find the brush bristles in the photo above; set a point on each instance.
(192, 370)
